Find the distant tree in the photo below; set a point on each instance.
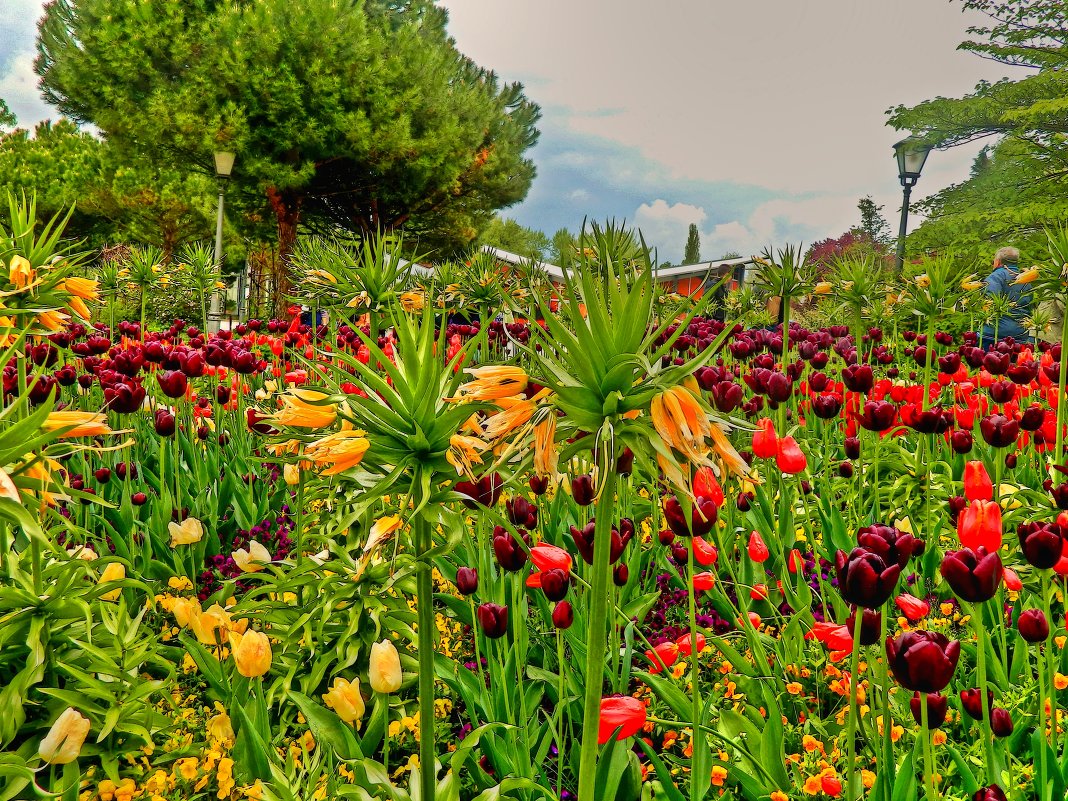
(509, 235)
(7, 116)
(692, 254)
(872, 221)
(359, 115)
(562, 248)
(730, 254)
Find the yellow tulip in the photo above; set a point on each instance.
(384, 674)
(823, 288)
(189, 531)
(1027, 276)
(212, 626)
(252, 560)
(20, 272)
(345, 699)
(252, 653)
(64, 740)
(115, 571)
(185, 611)
(291, 474)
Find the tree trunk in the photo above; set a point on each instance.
(287, 207)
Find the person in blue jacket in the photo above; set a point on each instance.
(1000, 282)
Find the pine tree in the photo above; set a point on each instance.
(872, 221)
(692, 255)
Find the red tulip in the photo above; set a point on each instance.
(547, 557)
(794, 562)
(704, 553)
(913, 608)
(758, 551)
(1012, 581)
(765, 442)
(622, 713)
(704, 581)
(980, 526)
(706, 486)
(662, 656)
(685, 643)
(977, 484)
(790, 458)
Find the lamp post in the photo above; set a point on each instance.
(911, 153)
(224, 165)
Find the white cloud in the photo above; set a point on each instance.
(18, 88)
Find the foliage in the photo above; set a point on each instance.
(507, 234)
(379, 125)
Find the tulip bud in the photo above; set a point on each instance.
(346, 700)
(620, 575)
(138, 499)
(937, 704)
(991, 793)
(467, 580)
(582, 489)
(758, 551)
(1033, 626)
(765, 441)
(64, 740)
(384, 672)
(852, 447)
(252, 653)
(1001, 722)
(972, 702)
(961, 441)
(563, 615)
(493, 619)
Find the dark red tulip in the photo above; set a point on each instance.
(625, 462)
(582, 489)
(484, 492)
(1033, 626)
(852, 447)
(971, 702)
(539, 485)
(998, 430)
(173, 383)
(1002, 391)
(510, 554)
(878, 415)
(102, 474)
(858, 378)
(892, 544)
(1042, 543)
(937, 705)
(1032, 418)
(493, 620)
(870, 625)
(255, 423)
(620, 575)
(826, 406)
(222, 393)
(563, 615)
(957, 504)
(1001, 722)
(164, 423)
(554, 583)
(138, 499)
(992, 792)
(961, 441)
(973, 575)
(698, 518)
(922, 661)
(845, 469)
(467, 580)
(864, 578)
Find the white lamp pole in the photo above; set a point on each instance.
(224, 165)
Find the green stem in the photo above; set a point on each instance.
(854, 684)
(1042, 767)
(596, 637)
(560, 714)
(384, 699)
(988, 737)
(928, 756)
(1050, 664)
(425, 602)
(888, 766)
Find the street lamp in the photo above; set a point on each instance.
(911, 153)
(224, 165)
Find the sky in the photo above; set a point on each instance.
(762, 122)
